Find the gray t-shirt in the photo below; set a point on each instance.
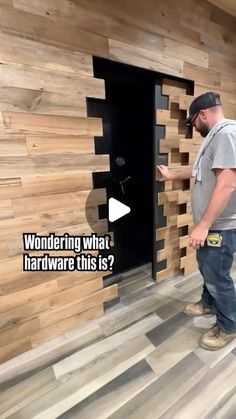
(220, 154)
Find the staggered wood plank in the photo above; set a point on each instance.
(174, 197)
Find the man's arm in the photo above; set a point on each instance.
(224, 187)
(165, 174)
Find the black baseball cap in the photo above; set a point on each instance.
(204, 101)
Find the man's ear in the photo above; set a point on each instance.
(203, 113)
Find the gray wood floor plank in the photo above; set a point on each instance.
(189, 283)
(25, 392)
(140, 294)
(212, 358)
(174, 349)
(81, 358)
(156, 398)
(228, 410)
(170, 309)
(114, 394)
(202, 400)
(141, 360)
(131, 313)
(192, 296)
(167, 329)
(29, 363)
(72, 388)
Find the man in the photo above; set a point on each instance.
(214, 215)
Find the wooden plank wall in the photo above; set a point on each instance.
(175, 199)
(46, 140)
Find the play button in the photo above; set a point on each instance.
(116, 209)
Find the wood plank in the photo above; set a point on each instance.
(170, 118)
(40, 145)
(228, 5)
(51, 351)
(75, 278)
(171, 209)
(159, 396)
(173, 88)
(23, 330)
(69, 164)
(228, 409)
(9, 302)
(223, 18)
(94, 298)
(16, 75)
(15, 99)
(56, 183)
(17, 226)
(58, 328)
(117, 392)
(203, 76)
(19, 280)
(102, 23)
(213, 358)
(30, 205)
(67, 296)
(72, 341)
(143, 58)
(224, 64)
(6, 209)
(13, 147)
(167, 197)
(3, 249)
(23, 313)
(189, 263)
(183, 197)
(213, 35)
(183, 241)
(100, 227)
(167, 145)
(169, 252)
(184, 219)
(14, 49)
(202, 399)
(186, 53)
(228, 84)
(130, 14)
(67, 394)
(13, 349)
(53, 124)
(174, 350)
(41, 29)
(52, 220)
(88, 356)
(170, 271)
(26, 391)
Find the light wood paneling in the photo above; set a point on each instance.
(47, 158)
(228, 5)
(172, 198)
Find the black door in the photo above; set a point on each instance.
(128, 114)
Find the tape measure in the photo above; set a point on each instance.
(214, 240)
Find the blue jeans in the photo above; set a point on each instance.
(219, 291)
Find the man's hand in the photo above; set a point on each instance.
(198, 236)
(162, 173)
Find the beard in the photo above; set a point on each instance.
(203, 129)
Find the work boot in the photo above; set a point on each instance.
(215, 338)
(197, 309)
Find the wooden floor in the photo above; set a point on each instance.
(141, 360)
